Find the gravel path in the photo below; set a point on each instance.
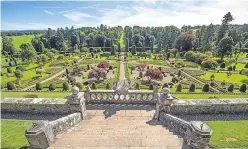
(122, 69)
(48, 79)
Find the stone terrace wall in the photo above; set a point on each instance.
(38, 105)
(211, 106)
(65, 123)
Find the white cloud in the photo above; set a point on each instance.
(77, 16)
(48, 12)
(176, 13)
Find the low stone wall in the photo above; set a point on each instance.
(211, 106)
(65, 123)
(195, 134)
(38, 105)
(42, 133)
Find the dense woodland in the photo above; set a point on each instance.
(223, 40)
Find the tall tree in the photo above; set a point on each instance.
(7, 46)
(27, 52)
(185, 42)
(224, 26)
(225, 47)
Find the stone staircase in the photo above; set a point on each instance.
(125, 129)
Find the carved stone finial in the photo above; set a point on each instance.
(75, 90)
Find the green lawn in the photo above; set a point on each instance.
(18, 40)
(206, 96)
(39, 94)
(12, 133)
(232, 134)
(122, 44)
(234, 78)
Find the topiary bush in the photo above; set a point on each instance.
(165, 85)
(52, 87)
(234, 68)
(206, 88)
(192, 88)
(229, 68)
(38, 86)
(11, 86)
(107, 86)
(230, 88)
(246, 65)
(242, 88)
(179, 73)
(179, 88)
(9, 70)
(137, 86)
(223, 65)
(66, 86)
(151, 87)
(93, 86)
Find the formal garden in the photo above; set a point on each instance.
(194, 62)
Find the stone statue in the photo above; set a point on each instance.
(165, 93)
(122, 86)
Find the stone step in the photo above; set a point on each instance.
(80, 140)
(119, 131)
(53, 147)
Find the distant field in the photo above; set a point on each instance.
(18, 40)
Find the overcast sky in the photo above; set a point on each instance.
(52, 14)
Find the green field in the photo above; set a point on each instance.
(18, 40)
(12, 133)
(39, 94)
(231, 134)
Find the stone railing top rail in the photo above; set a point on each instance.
(34, 100)
(177, 119)
(211, 102)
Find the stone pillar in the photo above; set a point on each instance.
(164, 98)
(40, 135)
(197, 135)
(77, 100)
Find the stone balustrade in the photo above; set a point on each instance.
(114, 96)
(195, 134)
(42, 133)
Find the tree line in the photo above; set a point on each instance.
(221, 40)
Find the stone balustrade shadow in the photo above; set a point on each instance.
(118, 107)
